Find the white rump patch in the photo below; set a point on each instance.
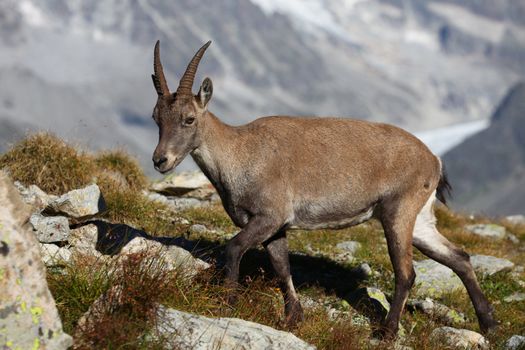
(425, 230)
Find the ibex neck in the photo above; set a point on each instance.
(213, 156)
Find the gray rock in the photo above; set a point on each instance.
(516, 219)
(487, 230)
(514, 297)
(363, 271)
(178, 203)
(434, 279)
(439, 311)
(173, 257)
(348, 250)
(83, 241)
(183, 330)
(50, 229)
(489, 265)
(516, 342)
(181, 183)
(198, 228)
(28, 315)
(53, 255)
(34, 196)
(187, 203)
(511, 237)
(459, 338)
(79, 204)
(349, 246)
(157, 197)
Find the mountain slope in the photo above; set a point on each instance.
(488, 169)
(404, 62)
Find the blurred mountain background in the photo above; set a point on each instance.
(81, 69)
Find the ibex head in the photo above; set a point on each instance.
(178, 115)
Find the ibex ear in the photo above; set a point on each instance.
(205, 92)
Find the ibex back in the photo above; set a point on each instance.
(280, 173)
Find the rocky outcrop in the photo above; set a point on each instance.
(105, 241)
(28, 314)
(183, 330)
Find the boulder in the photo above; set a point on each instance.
(78, 204)
(516, 342)
(459, 338)
(489, 265)
(433, 279)
(183, 330)
(50, 229)
(28, 314)
(487, 230)
(53, 255)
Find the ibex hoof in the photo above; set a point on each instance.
(294, 315)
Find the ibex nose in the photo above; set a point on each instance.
(158, 161)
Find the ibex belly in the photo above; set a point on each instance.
(315, 219)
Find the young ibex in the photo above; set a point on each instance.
(279, 173)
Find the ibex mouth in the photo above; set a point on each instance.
(166, 167)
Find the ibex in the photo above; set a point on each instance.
(280, 173)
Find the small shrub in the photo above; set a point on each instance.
(48, 162)
(77, 287)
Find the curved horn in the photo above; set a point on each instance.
(159, 80)
(186, 82)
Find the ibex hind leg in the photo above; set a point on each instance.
(277, 248)
(434, 245)
(398, 217)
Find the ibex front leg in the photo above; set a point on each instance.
(259, 229)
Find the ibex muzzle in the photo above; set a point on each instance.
(280, 173)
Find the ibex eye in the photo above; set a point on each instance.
(189, 120)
